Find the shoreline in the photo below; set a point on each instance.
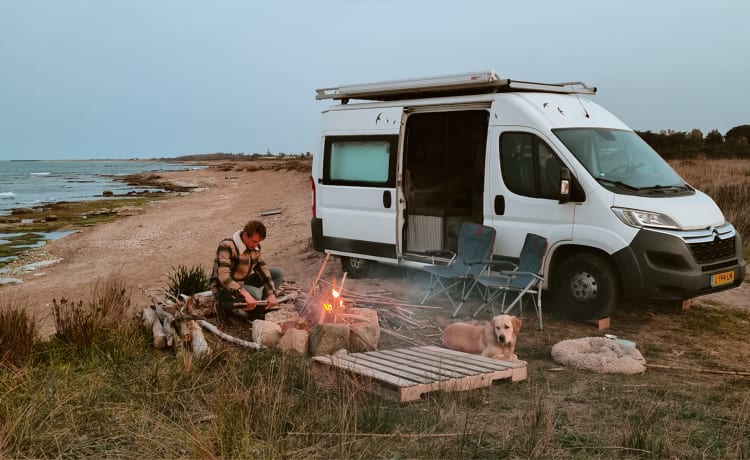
(27, 229)
(30, 228)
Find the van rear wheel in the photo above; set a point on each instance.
(355, 267)
(586, 287)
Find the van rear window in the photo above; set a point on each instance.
(360, 160)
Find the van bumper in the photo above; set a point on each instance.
(316, 229)
(664, 266)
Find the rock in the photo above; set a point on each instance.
(296, 340)
(4, 281)
(327, 338)
(365, 329)
(286, 318)
(266, 333)
(107, 193)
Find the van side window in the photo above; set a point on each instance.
(529, 166)
(360, 160)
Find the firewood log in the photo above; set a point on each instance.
(198, 340)
(206, 325)
(166, 319)
(148, 317)
(160, 340)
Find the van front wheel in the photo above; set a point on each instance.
(355, 267)
(586, 287)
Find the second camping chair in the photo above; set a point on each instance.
(520, 279)
(475, 245)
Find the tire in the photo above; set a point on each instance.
(355, 267)
(585, 287)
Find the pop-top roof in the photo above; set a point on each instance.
(445, 85)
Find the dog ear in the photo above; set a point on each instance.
(516, 324)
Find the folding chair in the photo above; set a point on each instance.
(521, 279)
(475, 245)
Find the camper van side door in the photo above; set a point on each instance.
(357, 196)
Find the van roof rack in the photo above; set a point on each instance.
(446, 85)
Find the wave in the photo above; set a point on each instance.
(7, 195)
(40, 174)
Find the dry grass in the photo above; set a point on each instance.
(82, 324)
(727, 182)
(17, 331)
(131, 400)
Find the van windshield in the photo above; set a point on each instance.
(622, 162)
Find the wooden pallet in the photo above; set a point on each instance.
(407, 373)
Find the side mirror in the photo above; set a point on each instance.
(564, 185)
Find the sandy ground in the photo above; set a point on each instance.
(145, 246)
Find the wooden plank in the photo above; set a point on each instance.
(600, 324)
(270, 212)
(466, 364)
(408, 373)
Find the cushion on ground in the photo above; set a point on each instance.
(599, 354)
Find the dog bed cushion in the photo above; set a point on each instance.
(599, 354)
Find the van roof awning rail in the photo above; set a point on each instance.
(446, 85)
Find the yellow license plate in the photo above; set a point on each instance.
(722, 278)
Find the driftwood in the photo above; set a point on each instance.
(160, 339)
(213, 329)
(148, 317)
(167, 320)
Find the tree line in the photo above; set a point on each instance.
(669, 143)
(680, 144)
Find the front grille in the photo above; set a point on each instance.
(712, 251)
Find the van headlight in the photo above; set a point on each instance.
(638, 218)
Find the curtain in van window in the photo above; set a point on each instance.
(360, 161)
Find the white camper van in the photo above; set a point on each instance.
(403, 163)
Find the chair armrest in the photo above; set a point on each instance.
(510, 273)
(502, 263)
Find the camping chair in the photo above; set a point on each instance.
(520, 279)
(475, 245)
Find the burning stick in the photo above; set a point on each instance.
(314, 284)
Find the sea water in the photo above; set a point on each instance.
(26, 184)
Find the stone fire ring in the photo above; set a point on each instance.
(599, 354)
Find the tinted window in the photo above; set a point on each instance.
(529, 166)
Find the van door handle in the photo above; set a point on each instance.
(387, 199)
(499, 205)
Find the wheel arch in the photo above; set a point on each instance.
(560, 253)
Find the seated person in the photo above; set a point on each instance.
(239, 272)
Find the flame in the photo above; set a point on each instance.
(335, 293)
(327, 307)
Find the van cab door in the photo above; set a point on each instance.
(524, 190)
(356, 196)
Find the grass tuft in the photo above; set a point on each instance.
(83, 324)
(187, 281)
(18, 332)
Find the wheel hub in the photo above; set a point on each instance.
(583, 287)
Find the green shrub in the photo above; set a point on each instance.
(187, 281)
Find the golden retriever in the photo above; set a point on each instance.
(495, 339)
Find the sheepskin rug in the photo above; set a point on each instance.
(599, 354)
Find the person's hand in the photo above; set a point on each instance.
(249, 300)
(272, 301)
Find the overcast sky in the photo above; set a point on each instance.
(162, 78)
